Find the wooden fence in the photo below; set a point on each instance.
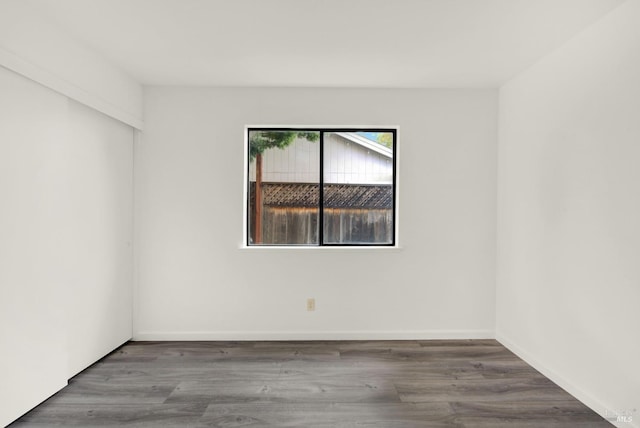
(290, 220)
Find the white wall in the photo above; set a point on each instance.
(33, 336)
(569, 204)
(100, 205)
(193, 281)
(32, 45)
(65, 231)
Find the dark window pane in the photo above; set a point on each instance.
(284, 176)
(358, 188)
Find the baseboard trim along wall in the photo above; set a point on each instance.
(590, 401)
(315, 335)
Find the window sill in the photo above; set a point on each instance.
(338, 248)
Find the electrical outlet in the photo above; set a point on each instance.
(311, 304)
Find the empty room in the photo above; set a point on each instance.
(305, 213)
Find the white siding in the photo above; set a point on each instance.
(344, 162)
(349, 162)
(297, 163)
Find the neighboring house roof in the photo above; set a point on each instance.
(366, 143)
(336, 195)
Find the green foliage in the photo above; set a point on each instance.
(259, 141)
(385, 138)
(382, 138)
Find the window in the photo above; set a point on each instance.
(321, 187)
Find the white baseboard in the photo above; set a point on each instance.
(590, 401)
(315, 335)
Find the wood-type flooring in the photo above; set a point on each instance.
(436, 383)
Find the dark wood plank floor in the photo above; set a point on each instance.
(448, 383)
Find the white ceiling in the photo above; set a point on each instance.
(324, 43)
